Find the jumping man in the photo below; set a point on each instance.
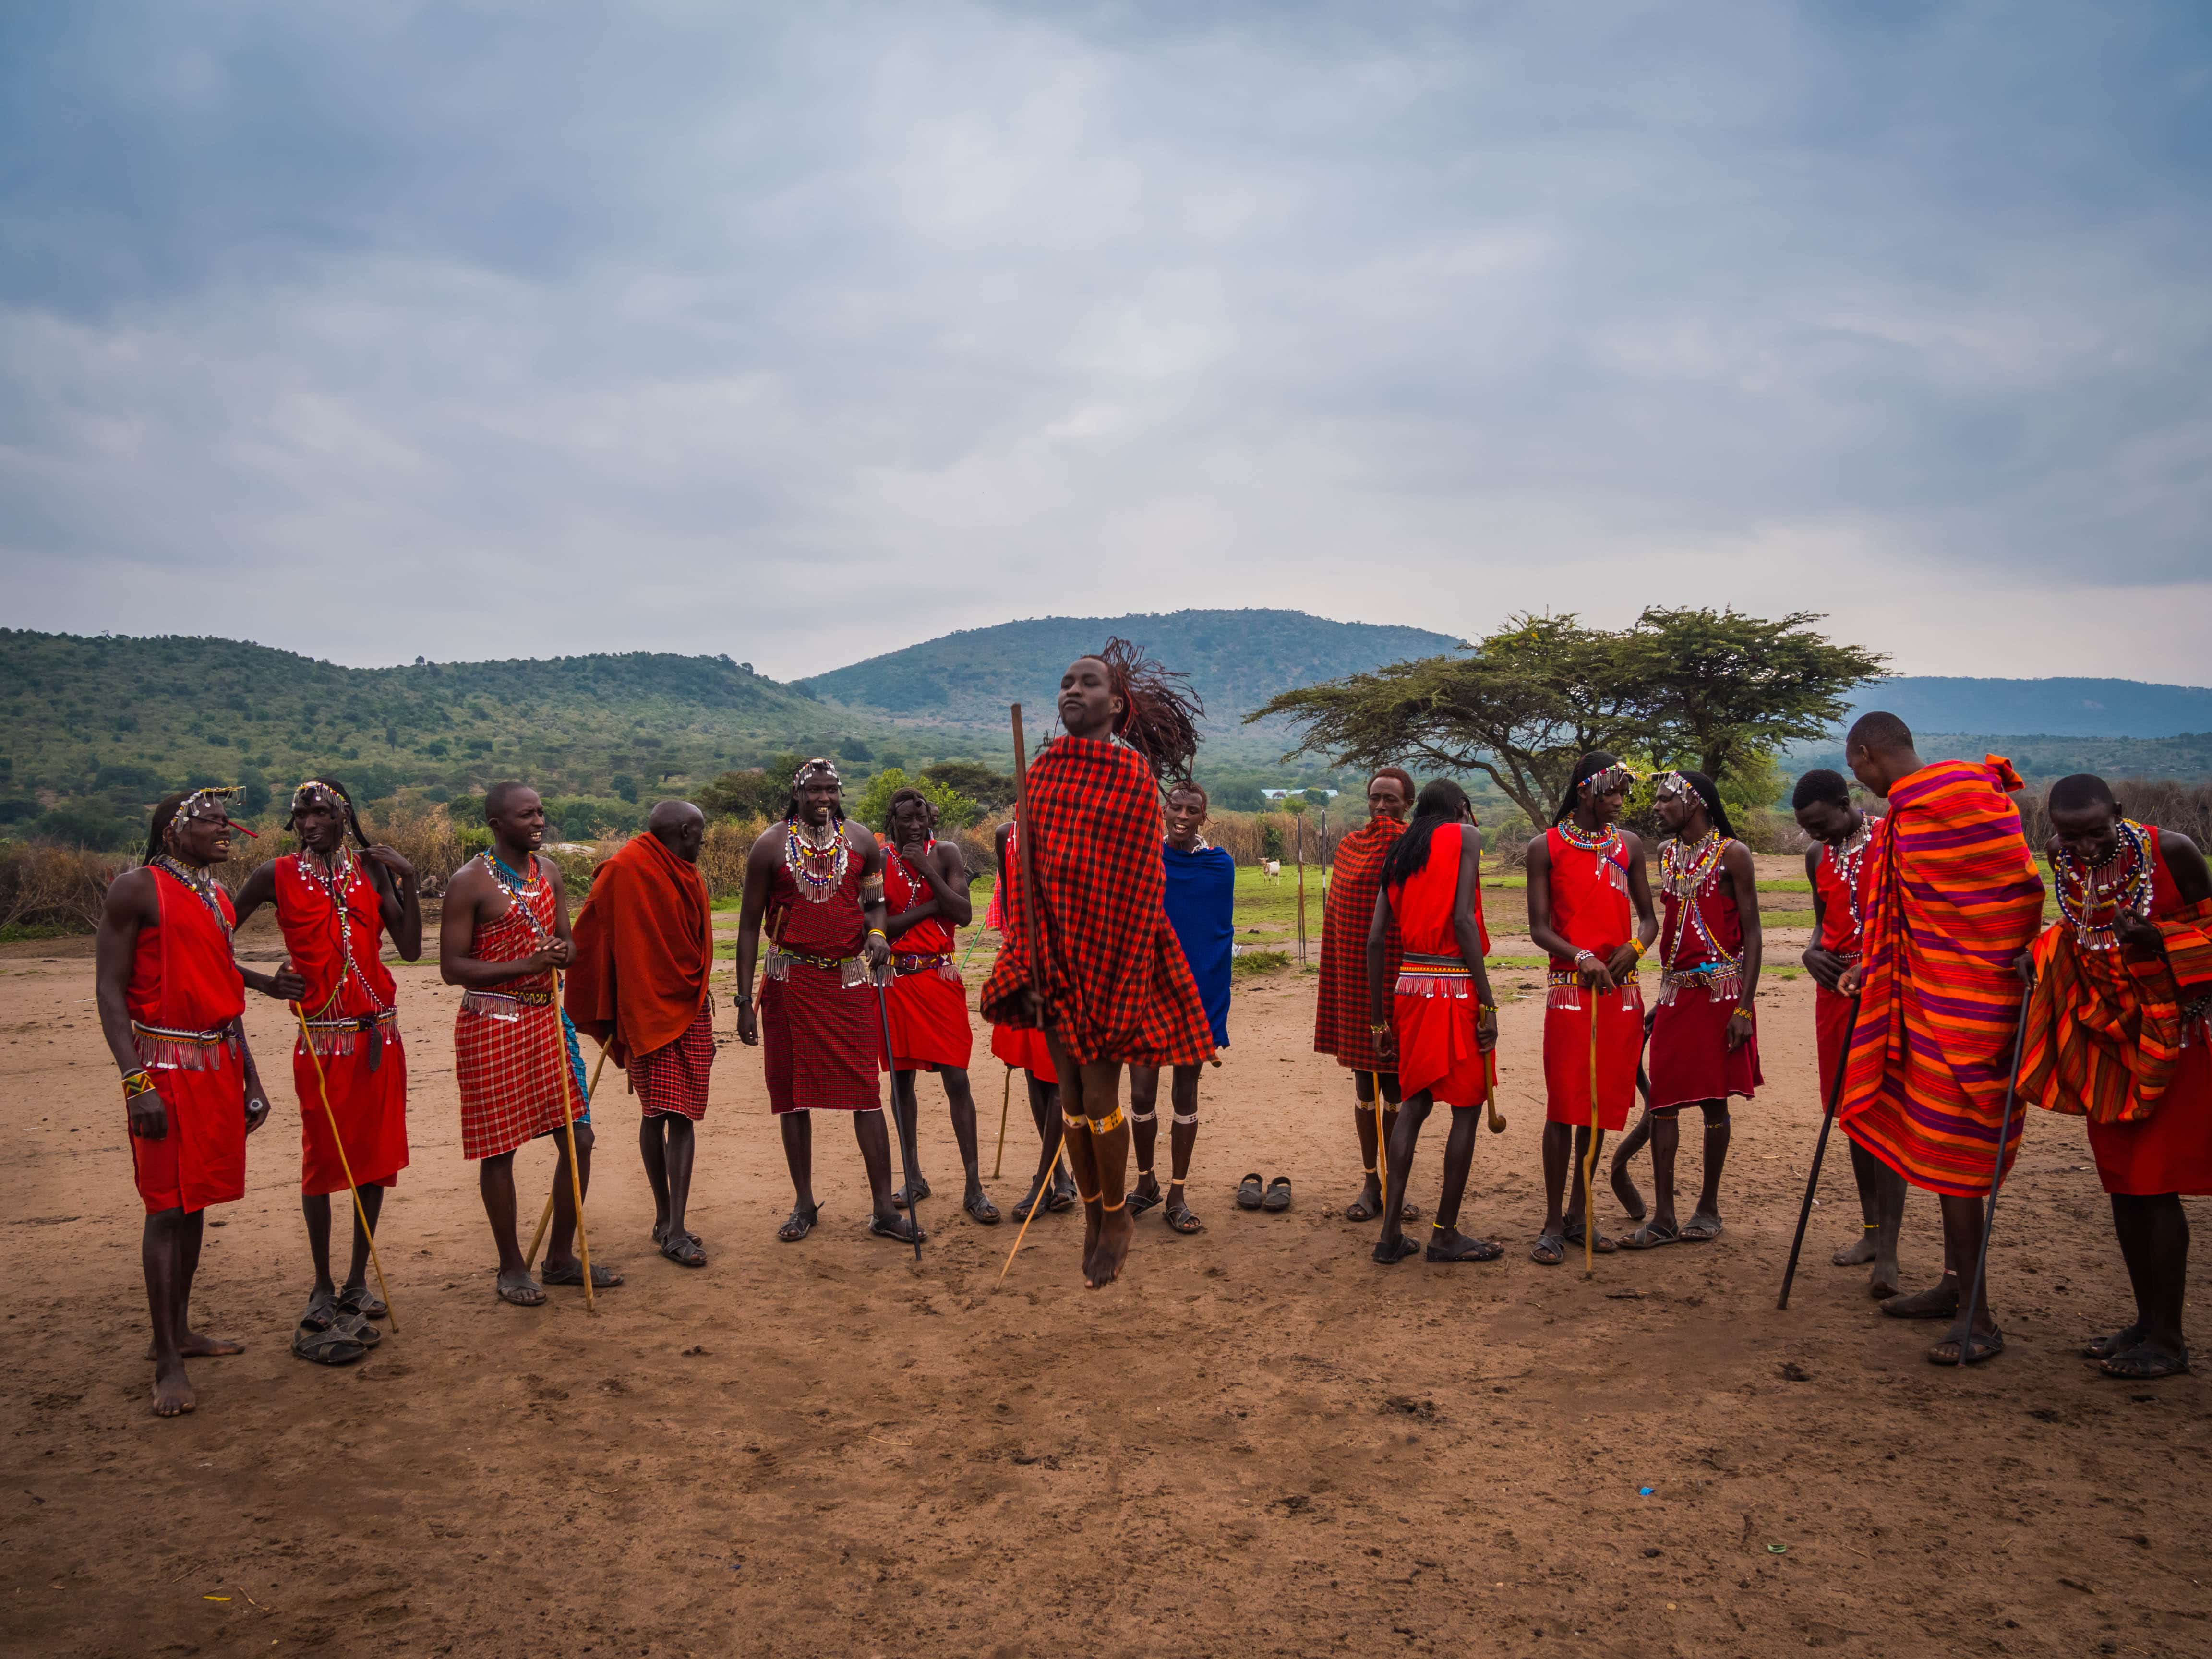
(336, 902)
(815, 882)
(1837, 866)
(1589, 909)
(645, 945)
(1200, 900)
(926, 898)
(1437, 1020)
(171, 999)
(1954, 901)
(1705, 1039)
(2118, 1032)
(503, 932)
(1341, 1015)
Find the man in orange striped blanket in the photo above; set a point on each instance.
(1952, 901)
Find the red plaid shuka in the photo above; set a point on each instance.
(1115, 982)
(673, 1078)
(508, 1044)
(1347, 910)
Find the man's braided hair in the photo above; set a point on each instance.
(1159, 711)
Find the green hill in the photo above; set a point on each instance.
(1237, 660)
(98, 728)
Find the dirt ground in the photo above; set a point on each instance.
(1258, 1443)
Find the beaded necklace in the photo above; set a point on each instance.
(201, 884)
(1683, 873)
(2091, 896)
(817, 868)
(1605, 845)
(1845, 858)
(520, 889)
(336, 883)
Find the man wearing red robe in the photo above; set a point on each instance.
(1589, 909)
(925, 899)
(1437, 1019)
(814, 884)
(1837, 866)
(645, 945)
(2118, 1032)
(1107, 983)
(170, 998)
(1340, 1012)
(335, 902)
(1954, 901)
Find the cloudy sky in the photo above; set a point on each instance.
(805, 332)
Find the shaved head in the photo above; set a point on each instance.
(496, 797)
(1879, 732)
(679, 826)
(2081, 792)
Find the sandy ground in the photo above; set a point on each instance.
(1258, 1443)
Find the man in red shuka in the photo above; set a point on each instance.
(1340, 1009)
(814, 883)
(1589, 909)
(1109, 985)
(1705, 1040)
(335, 904)
(1437, 1021)
(170, 998)
(925, 898)
(1837, 866)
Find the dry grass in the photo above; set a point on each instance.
(46, 887)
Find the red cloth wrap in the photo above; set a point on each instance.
(1690, 1057)
(1838, 933)
(673, 1077)
(1347, 910)
(928, 1002)
(1115, 982)
(1025, 1050)
(1953, 900)
(369, 1106)
(1591, 910)
(1831, 1033)
(644, 943)
(1434, 1016)
(820, 1039)
(510, 1072)
(183, 977)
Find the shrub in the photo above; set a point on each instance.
(954, 810)
(53, 889)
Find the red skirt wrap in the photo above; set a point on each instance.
(1437, 1048)
(1690, 1057)
(371, 1112)
(201, 1159)
(1567, 1059)
(673, 1077)
(929, 1022)
(1025, 1050)
(2170, 1151)
(820, 1042)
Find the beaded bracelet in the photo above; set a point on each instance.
(1639, 947)
(137, 1082)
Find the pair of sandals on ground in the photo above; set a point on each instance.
(1274, 1197)
(338, 1327)
(1551, 1248)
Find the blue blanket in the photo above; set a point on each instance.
(1201, 897)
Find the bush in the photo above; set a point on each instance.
(756, 794)
(991, 791)
(51, 889)
(722, 854)
(954, 810)
(89, 824)
(1271, 839)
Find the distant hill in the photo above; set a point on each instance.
(2053, 708)
(1237, 660)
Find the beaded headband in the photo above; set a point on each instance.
(1615, 777)
(818, 764)
(213, 802)
(1673, 783)
(316, 793)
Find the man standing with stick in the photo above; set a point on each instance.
(645, 944)
(336, 901)
(2117, 1033)
(814, 884)
(171, 1005)
(1952, 903)
(1837, 866)
(1589, 908)
(1091, 957)
(503, 938)
(1340, 1010)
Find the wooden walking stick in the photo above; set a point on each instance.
(908, 1156)
(1813, 1181)
(568, 1126)
(1490, 1071)
(323, 1088)
(1005, 1103)
(1965, 1329)
(1025, 867)
(545, 1216)
(1382, 1144)
(1589, 1154)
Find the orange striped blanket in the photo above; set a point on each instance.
(1954, 899)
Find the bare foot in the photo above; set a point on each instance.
(193, 1345)
(1885, 1281)
(1859, 1251)
(1103, 1266)
(173, 1392)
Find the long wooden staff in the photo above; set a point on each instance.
(1025, 867)
(545, 1216)
(1590, 1156)
(1813, 1181)
(323, 1088)
(1490, 1071)
(1382, 1144)
(1965, 1329)
(1006, 1104)
(568, 1126)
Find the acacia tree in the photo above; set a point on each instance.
(1518, 707)
(1730, 690)
(1524, 704)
